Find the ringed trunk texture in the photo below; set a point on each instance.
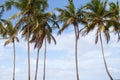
(76, 60)
(44, 61)
(106, 68)
(76, 54)
(37, 62)
(14, 63)
(28, 54)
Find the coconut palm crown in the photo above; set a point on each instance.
(114, 21)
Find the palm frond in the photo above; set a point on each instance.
(9, 4)
(53, 38)
(97, 36)
(107, 36)
(66, 24)
(14, 16)
(2, 28)
(7, 42)
(17, 39)
(2, 10)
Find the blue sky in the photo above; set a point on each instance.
(60, 57)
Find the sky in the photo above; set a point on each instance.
(60, 57)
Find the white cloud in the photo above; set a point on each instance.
(61, 62)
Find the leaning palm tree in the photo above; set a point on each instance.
(11, 34)
(28, 9)
(42, 33)
(70, 16)
(98, 17)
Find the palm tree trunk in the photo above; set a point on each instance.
(106, 68)
(14, 63)
(37, 62)
(28, 55)
(44, 61)
(76, 59)
(76, 55)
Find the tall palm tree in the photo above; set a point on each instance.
(42, 32)
(11, 34)
(98, 17)
(28, 9)
(71, 16)
(48, 38)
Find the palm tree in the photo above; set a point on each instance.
(70, 16)
(42, 32)
(12, 36)
(48, 37)
(27, 18)
(98, 17)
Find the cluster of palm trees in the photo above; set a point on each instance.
(36, 25)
